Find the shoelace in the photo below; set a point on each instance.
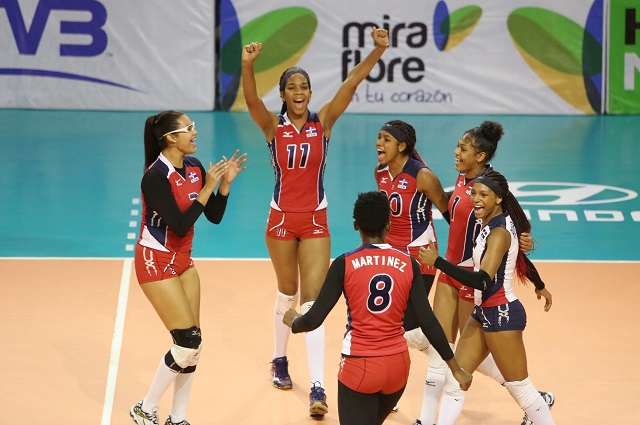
(317, 392)
(282, 369)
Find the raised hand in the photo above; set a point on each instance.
(380, 37)
(234, 166)
(251, 51)
(215, 173)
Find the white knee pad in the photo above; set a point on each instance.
(489, 368)
(417, 340)
(436, 364)
(185, 357)
(306, 307)
(451, 386)
(284, 302)
(523, 392)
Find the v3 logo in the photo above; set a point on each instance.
(28, 39)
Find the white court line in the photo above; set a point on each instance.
(116, 342)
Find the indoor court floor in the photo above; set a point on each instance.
(81, 342)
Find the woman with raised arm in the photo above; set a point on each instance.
(297, 235)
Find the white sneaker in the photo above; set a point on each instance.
(141, 417)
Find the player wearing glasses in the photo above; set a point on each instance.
(176, 189)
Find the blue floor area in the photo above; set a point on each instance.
(71, 178)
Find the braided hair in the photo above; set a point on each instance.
(499, 185)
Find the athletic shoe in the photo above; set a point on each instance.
(549, 398)
(141, 417)
(280, 373)
(416, 422)
(317, 401)
(170, 422)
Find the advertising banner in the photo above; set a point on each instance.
(624, 57)
(107, 54)
(446, 57)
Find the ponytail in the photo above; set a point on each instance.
(154, 127)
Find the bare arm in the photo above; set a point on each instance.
(332, 110)
(429, 184)
(266, 120)
(498, 243)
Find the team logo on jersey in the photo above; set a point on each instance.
(193, 176)
(193, 196)
(287, 134)
(383, 180)
(311, 132)
(402, 183)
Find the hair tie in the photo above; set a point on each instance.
(395, 132)
(490, 184)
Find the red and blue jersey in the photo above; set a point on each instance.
(411, 223)
(501, 290)
(154, 231)
(377, 283)
(464, 226)
(298, 159)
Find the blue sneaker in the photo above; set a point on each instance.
(280, 373)
(549, 398)
(317, 401)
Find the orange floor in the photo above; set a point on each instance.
(59, 317)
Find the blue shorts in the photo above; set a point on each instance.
(504, 317)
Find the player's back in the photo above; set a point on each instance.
(377, 283)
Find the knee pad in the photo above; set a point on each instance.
(284, 302)
(451, 386)
(489, 368)
(523, 392)
(416, 339)
(436, 364)
(306, 307)
(187, 344)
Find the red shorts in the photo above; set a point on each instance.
(414, 251)
(297, 225)
(465, 293)
(369, 375)
(153, 265)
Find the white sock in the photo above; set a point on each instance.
(539, 412)
(181, 393)
(164, 377)
(315, 349)
(450, 409)
(489, 368)
(436, 374)
(281, 335)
